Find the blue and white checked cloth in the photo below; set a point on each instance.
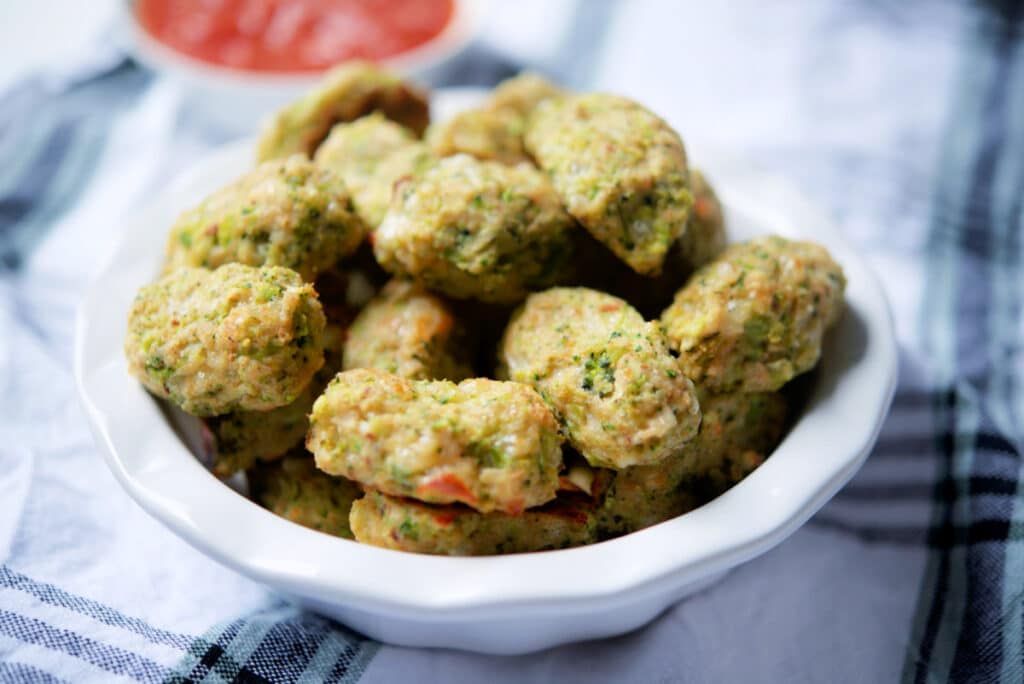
(905, 120)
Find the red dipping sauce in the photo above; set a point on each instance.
(292, 35)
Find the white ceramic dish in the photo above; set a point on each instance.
(238, 100)
(503, 604)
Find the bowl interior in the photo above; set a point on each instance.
(849, 397)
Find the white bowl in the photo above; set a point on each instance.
(502, 604)
(238, 101)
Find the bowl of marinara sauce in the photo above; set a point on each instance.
(239, 60)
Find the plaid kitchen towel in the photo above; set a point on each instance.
(905, 120)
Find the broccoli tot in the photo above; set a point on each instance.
(242, 438)
(294, 489)
(598, 268)
(285, 213)
(476, 230)
(238, 338)
(704, 238)
(608, 375)
(410, 332)
(492, 134)
(737, 432)
(493, 131)
(346, 93)
(754, 318)
(371, 154)
(619, 170)
(407, 525)
(523, 93)
(491, 445)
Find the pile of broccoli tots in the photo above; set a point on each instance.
(516, 330)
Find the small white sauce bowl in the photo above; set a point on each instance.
(238, 101)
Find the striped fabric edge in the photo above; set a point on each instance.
(281, 644)
(1008, 384)
(108, 657)
(21, 673)
(961, 616)
(55, 596)
(52, 144)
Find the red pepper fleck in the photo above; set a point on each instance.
(444, 518)
(446, 485)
